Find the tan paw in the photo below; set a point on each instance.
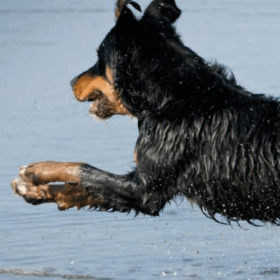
(32, 194)
(42, 173)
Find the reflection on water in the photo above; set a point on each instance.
(44, 44)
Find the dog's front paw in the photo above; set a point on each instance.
(32, 194)
(45, 172)
(37, 173)
(65, 196)
(33, 185)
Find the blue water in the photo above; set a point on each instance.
(43, 45)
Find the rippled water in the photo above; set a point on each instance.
(43, 45)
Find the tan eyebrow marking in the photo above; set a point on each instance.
(109, 75)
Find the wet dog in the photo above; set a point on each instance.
(201, 135)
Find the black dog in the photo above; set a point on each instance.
(201, 135)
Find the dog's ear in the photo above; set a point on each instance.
(121, 7)
(163, 10)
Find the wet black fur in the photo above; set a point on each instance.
(201, 135)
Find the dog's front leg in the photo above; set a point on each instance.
(33, 185)
(85, 185)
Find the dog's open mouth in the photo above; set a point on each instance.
(95, 95)
(93, 107)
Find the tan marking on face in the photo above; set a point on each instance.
(107, 101)
(135, 157)
(86, 85)
(109, 74)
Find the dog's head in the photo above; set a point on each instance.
(134, 58)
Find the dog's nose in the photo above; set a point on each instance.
(72, 83)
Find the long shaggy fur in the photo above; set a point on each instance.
(201, 135)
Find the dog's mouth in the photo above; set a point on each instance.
(94, 96)
(96, 110)
(93, 107)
